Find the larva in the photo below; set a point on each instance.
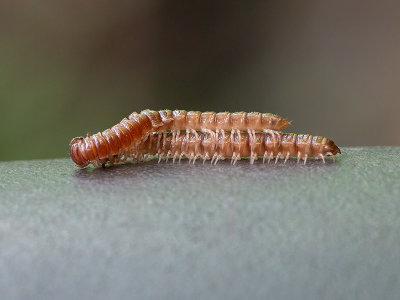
(111, 144)
(237, 146)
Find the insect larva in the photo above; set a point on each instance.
(237, 146)
(116, 143)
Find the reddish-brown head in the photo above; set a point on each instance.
(76, 152)
(331, 148)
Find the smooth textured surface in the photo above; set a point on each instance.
(164, 231)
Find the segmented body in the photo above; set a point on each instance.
(113, 143)
(235, 146)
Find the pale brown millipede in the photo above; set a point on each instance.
(300, 146)
(234, 146)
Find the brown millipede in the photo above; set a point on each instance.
(112, 144)
(237, 146)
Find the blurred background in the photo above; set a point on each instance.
(70, 67)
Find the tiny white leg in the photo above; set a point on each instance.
(298, 156)
(191, 157)
(277, 157)
(205, 157)
(233, 157)
(195, 158)
(197, 139)
(331, 154)
(214, 157)
(180, 157)
(322, 157)
(265, 156)
(271, 156)
(173, 136)
(164, 140)
(159, 136)
(305, 158)
(236, 158)
(168, 156)
(150, 142)
(287, 157)
(240, 137)
(223, 138)
(176, 154)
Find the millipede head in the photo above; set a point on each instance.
(76, 152)
(331, 148)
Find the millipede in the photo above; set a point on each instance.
(116, 143)
(300, 146)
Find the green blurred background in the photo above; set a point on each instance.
(70, 67)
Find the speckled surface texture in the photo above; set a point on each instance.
(202, 232)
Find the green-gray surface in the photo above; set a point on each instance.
(205, 232)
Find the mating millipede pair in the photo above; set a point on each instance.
(133, 135)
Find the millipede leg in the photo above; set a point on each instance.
(164, 143)
(197, 140)
(160, 156)
(195, 158)
(180, 157)
(277, 157)
(232, 136)
(265, 156)
(214, 157)
(253, 158)
(236, 158)
(298, 156)
(240, 137)
(206, 157)
(96, 163)
(187, 134)
(173, 140)
(305, 158)
(159, 136)
(287, 157)
(176, 154)
(191, 157)
(150, 142)
(331, 154)
(322, 157)
(233, 157)
(223, 138)
(271, 156)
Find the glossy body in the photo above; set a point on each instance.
(124, 137)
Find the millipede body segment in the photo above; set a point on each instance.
(300, 146)
(111, 144)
